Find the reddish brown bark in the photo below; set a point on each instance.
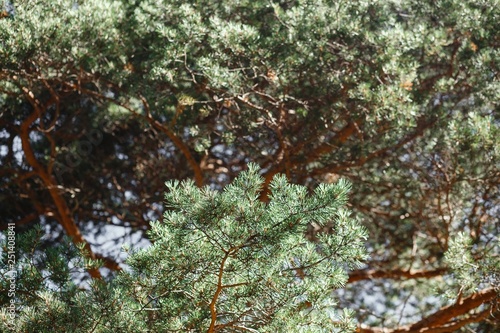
(313, 155)
(447, 318)
(63, 212)
(198, 174)
(393, 274)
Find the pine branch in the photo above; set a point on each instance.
(442, 320)
(396, 274)
(64, 214)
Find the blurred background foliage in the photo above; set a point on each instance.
(103, 101)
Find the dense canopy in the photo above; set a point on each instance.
(104, 101)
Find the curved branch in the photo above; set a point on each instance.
(198, 174)
(65, 218)
(322, 149)
(445, 314)
(442, 320)
(213, 310)
(422, 125)
(396, 274)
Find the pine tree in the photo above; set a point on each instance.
(102, 101)
(220, 262)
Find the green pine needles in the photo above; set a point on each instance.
(237, 264)
(225, 262)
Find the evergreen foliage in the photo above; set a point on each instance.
(220, 262)
(101, 102)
